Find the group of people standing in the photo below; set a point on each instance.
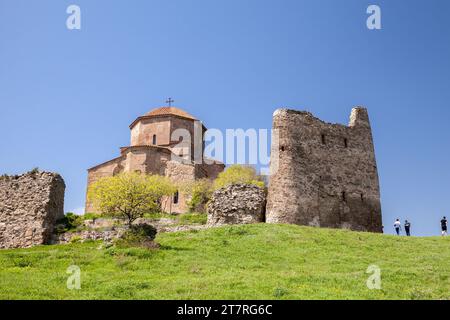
(398, 227)
(407, 226)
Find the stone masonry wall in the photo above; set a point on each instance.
(324, 174)
(30, 204)
(237, 204)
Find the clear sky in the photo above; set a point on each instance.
(68, 96)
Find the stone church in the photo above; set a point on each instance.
(158, 147)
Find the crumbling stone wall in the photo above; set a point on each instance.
(324, 174)
(30, 204)
(237, 204)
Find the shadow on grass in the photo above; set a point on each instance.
(169, 248)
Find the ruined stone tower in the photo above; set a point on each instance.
(324, 174)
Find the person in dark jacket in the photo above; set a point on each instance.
(444, 226)
(407, 226)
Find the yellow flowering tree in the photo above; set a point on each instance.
(130, 195)
(199, 192)
(237, 174)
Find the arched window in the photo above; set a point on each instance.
(346, 142)
(324, 141)
(154, 139)
(175, 197)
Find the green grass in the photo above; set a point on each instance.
(240, 262)
(160, 215)
(193, 218)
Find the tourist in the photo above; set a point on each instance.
(397, 226)
(444, 226)
(407, 228)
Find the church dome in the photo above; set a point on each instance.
(169, 111)
(164, 111)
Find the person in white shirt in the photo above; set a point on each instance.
(397, 226)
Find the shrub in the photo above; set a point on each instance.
(141, 235)
(199, 192)
(237, 174)
(34, 171)
(90, 216)
(70, 222)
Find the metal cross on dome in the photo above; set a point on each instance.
(170, 101)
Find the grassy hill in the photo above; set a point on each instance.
(240, 262)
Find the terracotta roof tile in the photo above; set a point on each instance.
(170, 111)
(165, 111)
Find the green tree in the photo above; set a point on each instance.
(199, 192)
(130, 195)
(236, 174)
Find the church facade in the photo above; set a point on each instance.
(162, 142)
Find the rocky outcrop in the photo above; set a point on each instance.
(161, 224)
(237, 204)
(108, 230)
(146, 230)
(30, 205)
(87, 235)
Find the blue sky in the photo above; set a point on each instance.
(67, 97)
